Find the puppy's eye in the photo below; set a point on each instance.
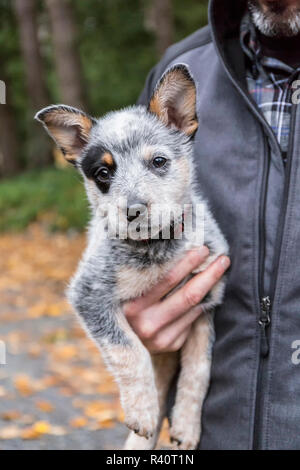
(103, 175)
(159, 162)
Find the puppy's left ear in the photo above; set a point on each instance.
(69, 127)
(174, 100)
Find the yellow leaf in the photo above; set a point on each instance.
(37, 430)
(42, 427)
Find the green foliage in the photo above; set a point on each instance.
(116, 53)
(190, 15)
(55, 197)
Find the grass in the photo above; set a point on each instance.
(54, 197)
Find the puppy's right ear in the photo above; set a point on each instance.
(68, 127)
(174, 100)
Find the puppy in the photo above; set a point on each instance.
(139, 162)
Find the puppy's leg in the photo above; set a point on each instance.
(165, 367)
(131, 366)
(192, 384)
(124, 354)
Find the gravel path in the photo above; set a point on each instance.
(54, 390)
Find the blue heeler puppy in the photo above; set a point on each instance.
(144, 157)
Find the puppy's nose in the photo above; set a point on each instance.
(135, 209)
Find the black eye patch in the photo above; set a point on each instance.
(99, 165)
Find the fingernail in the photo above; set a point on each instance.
(204, 251)
(225, 262)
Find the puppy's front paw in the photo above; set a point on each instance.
(184, 434)
(135, 442)
(142, 414)
(183, 438)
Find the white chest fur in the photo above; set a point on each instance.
(133, 282)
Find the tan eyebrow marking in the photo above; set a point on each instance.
(148, 154)
(107, 158)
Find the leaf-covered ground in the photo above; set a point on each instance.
(54, 390)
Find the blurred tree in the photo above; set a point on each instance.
(116, 44)
(9, 148)
(26, 15)
(26, 12)
(66, 56)
(10, 163)
(159, 18)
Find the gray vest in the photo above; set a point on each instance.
(254, 397)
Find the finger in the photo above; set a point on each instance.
(179, 342)
(190, 295)
(159, 347)
(170, 336)
(191, 261)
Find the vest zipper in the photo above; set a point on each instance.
(264, 321)
(264, 317)
(267, 301)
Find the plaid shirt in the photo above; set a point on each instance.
(269, 83)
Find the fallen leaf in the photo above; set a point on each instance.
(10, 415)
(95, 409)
(66, 391)
(78, 422)
(23, 385)
(37, 430)
(45, 406)
(65, 352)
(35, 351)
(27, 419)
(10, 432)
(58, 431)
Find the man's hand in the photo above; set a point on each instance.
(163, 325)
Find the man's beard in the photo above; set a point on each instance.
(277, 21)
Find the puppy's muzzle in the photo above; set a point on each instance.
(135, 210)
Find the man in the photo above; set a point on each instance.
(247, 149)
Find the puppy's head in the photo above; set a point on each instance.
(137, 159)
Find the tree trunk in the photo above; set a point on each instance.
(66, 53)
(26, 15)
(37, 92)
(9, 164)
(159, 19)
(9, 148)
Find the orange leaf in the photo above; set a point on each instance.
(23, 385)
(11, 415)
(79, 422)
(45, 406)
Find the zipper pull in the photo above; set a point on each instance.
(264, 322)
